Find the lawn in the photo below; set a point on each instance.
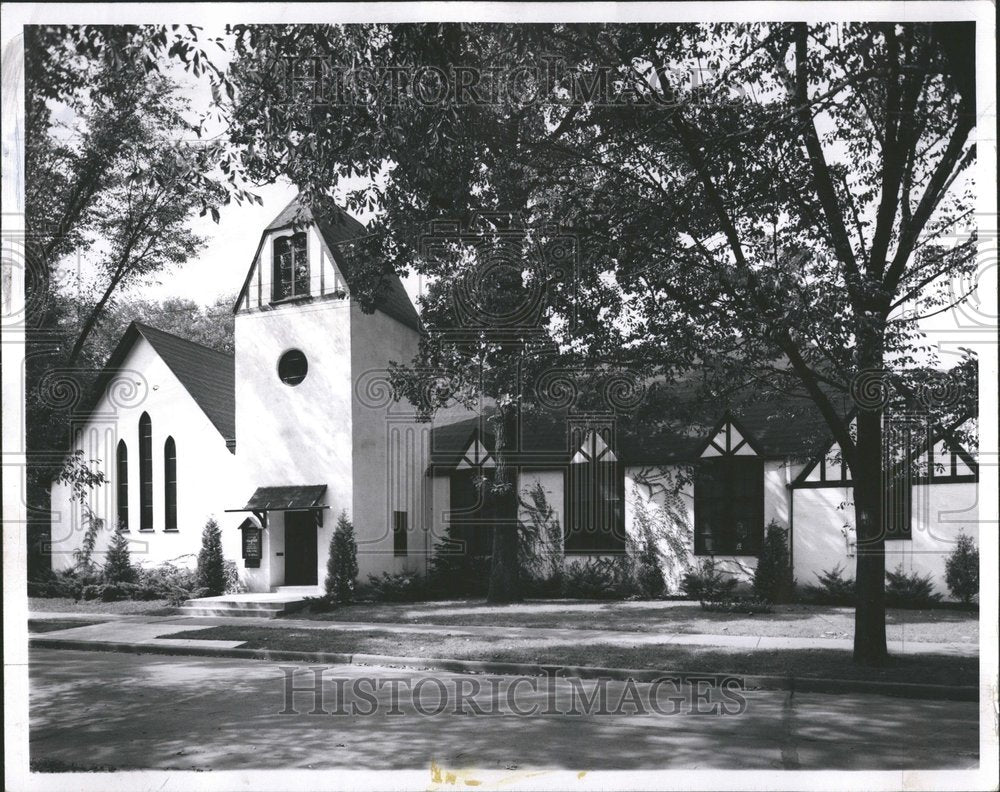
(52, 625)
(667, 617)
(816, 663)
(125, 607)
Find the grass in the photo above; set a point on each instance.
(59, 766)
(816, 663)
(666, 617)
(124, 607)
(52, 625)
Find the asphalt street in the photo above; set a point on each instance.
(159, 712)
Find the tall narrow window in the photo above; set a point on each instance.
(291, 267)
(170, 485)
(596, 499)
(121, 472)
(399, 520)
(145, 473)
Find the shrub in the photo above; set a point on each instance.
(118, 563)
(231, 573)
(772, 580)
(170, 582)
(211, 565)
(961, 570)
(708, 582)
(909, 591)
(599, 578)
(738, 605)
(400, 587)
(342, 566)
(648, 572)
(454, 574)
(64, 583)
(833, 588)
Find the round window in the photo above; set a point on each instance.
(292, 367)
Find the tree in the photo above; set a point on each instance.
(211, 564)
(962, 570)
(342, 565)
(772, 578)
(779, 222)
(118, 563)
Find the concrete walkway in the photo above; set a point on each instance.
(147, 630)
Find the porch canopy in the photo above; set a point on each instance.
(293, 498)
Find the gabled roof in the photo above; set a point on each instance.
(338, 230)
(208, 375)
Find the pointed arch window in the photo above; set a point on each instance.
(170, 485)
(596, 498)
(290, 277)
(121, 478)
(729, 495)
(145, 473)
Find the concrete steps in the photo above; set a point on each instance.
(251, 606)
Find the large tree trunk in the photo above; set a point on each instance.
(505, 567)
(869, 615)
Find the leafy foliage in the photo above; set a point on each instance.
(118, 566)
(395, 587)
(833, 588)
(708, 581)
(600, 578)
(962, 570)
(342, 565)
(211, 564)
(910, 590)
(773, 580)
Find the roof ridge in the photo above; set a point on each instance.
(140, 326)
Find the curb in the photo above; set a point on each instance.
(750, 682)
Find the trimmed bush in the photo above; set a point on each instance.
(211, 564)
(648, 571)
(708, 582)
(909, 590)
(961, 570)
(118, 563)
(400, 587)
(833, 588)
(342, 566)
(772, 580)
(599, 578)
(452, 574)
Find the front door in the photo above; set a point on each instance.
(300, 549)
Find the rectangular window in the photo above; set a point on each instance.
(729, 506)
(291, 267)
(399, 528)
(473, 513)
(596, 508)
(899, 439)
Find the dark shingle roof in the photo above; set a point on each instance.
(780, 428)
(208, 375)
(339, 230)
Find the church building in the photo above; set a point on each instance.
(298, 426)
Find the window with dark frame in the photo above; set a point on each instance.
(170, 485)
(898, 471)
(473, 511)
(145, 473)
(596, 500)
(729, 506)
(121, 476)
(290, 276)
(399, 528)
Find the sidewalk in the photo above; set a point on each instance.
(147, 631)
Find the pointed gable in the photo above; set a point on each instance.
(342, 236)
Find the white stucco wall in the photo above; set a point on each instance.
(294, 435)
(939, 513)
(390, 448)
(205, 468)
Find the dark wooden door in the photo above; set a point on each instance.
(300, 549)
